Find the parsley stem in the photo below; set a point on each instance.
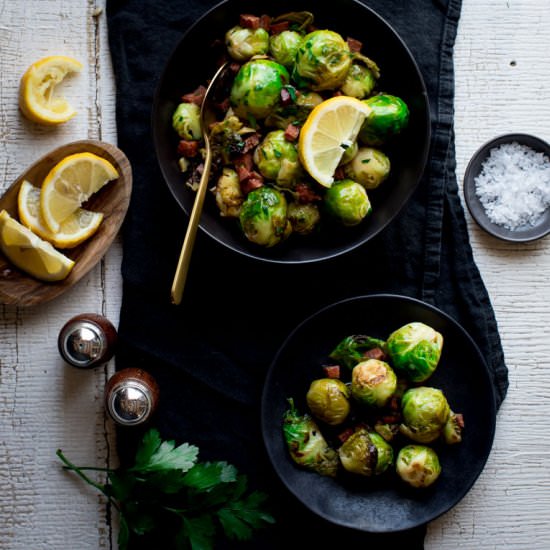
(78, 471)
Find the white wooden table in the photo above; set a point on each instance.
(502, 85)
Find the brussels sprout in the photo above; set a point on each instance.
(373, 382)
(257, 88)
(388, 117)
(304, 218)
(347, 201)
(351, 350)
(452, 431)
(366, 453)
(360, 81)
(277, 159)
(369, 167)
(425, 412)
(263, 217)
(415, 350)
(229, 196)
(418, 465)
(349, 153)
(243, 43)
(283, 47)
(294, 113)
(322, 61)
(388, 430)
(306, 444)
(328, 400)
(186, 121)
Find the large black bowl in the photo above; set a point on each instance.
(194, 60)
(383, 504)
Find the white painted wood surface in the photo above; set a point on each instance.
(502, 85)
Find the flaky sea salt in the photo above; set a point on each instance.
(514, 185)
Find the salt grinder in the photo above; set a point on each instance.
(131, 396)
(87, 340)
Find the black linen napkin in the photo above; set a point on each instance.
(210, 354)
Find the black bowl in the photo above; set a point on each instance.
(521, 234)
(383, 504)
(185, 70)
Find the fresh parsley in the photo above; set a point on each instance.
(169, 488)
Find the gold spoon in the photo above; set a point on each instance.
(182, 268)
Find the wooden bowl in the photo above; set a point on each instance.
(18, 288)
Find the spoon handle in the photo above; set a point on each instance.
(182, 268)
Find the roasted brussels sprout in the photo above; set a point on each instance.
(415, 350)
(306, 443)
(452, 431)
(186, 121)
(369, 167)
(360, 82)
(304, 218)
(328, 400)
(322, 61)
(347, 201)
(229, 196)
(244, 43)
(263, 217)
(295, 112)
(366, 453)
(373, 382)
(351, 350)
(389, 116)
(277, 159)
(425, 412)
(418, 465)
(257, 88)
(283, 47)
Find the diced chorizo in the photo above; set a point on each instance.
(265, 21)
(251, 141)
(339, 173)
(375, 353)
(286, 97)
(277, 28)
(188, 148)
(354, 45)
(332, 371)
(251, 182)
(196, 96)
(249, 21)
(306, 194)
(292, 132)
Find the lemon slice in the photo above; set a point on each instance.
(37, 98)
(331, 127)
(30, 253)
(78, 227)
(71, 182)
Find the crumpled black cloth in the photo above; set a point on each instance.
(210, 354)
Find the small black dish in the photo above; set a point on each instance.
(401, 76)
(383, 504)
(521, 234)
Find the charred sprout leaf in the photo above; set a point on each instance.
(418, 465)
(351, 350)
(306, 443)
(169, 492)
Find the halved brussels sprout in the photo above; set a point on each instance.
(373, 382)
(277, 159)
(186, 121)
(244, 43)
(418, 465)
(322, 61)
(351, 350)
(347, 201)
(328, 400)
(366, 453)
(369, 167)
(229, 195)
(307, 445)
(415, 350)
(257, 87)
(263, 217)
(304, 218)
(388, 117)
(425, 412)
(452, 431)
(360, 81)
(283, 47)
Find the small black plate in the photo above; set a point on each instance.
(521, 234)
(384, 504)
(185, 70)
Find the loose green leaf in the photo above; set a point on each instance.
(204, 476)
(198, 532)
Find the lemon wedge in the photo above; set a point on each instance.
(78, 227)
(71, 182)
(37, 98)
(30, 253)
(331, 127)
